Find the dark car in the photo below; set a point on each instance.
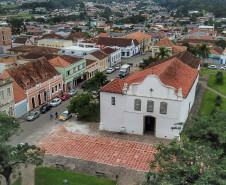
(130, 63)
(45, 108)
(65, 96)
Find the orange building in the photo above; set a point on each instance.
(34, 83)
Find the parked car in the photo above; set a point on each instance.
(117, 66)
(65, 116)
(45, 108)
(212, 67)
(110, 70)
(65, 96)
(33, 115)
(73, 92)
(129, 63)
(55, 102)
(223, 68)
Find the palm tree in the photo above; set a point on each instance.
(163, 53)
(146, 62)
(203, 51)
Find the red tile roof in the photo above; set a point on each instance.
(108, 51)
(114, 41)
(89, 62)
(99, 54)
(9, 60)
(63, 61)
(20, 40)
(139, 36)
(40, 69)
(164, 42)
(172, 73)
(37, 49)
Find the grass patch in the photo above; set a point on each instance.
(208, 103)
(10, 7)
(25, 15)
(207, 71)
(219, 88)
(50, 176)
(95, 116)
(17, 182)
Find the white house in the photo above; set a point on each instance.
(149, 101)
(77, 51)
(223, 57)
(114, 56)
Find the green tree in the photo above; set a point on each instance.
(163, 53)
(17, 26)
(82, 105)
(146, 62)
(94, 84)
(221, 43)
(185, 163)
(203, 51)
(219, 78)
(11, 157)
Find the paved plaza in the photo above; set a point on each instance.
(115, 152)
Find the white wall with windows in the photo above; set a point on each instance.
(151, 98)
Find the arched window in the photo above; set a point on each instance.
(163, 108)
(137, 104)
(150, 106)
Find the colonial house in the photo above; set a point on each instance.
(101, 57)
(171, 47)
(149, 101)
(24, 49)
(6, 95)
(8, 62)
(143, 39)
(114, 56)
(18, 41)
(91, 68)
(34, 83)
(129, 47)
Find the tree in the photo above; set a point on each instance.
(146, 62)
(219, 78)
(17, 26)
(203, 51)
(163, 53)
(83, 105)
(94, 84)
(221, 43)
(11, 157)
(185, 162)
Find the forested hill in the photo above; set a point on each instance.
(217, 7)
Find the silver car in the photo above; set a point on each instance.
(33, 115)
(73, 92)
(65, 116)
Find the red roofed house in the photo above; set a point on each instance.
(149, 101)
(165, 42)
(34, 83)
(129, 47)
(114, 56)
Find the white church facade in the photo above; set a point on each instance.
(149, 101)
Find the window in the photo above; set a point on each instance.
(113, 100)
(150, 106)
(52, 90)
(8, 91)
(68, 73)
(163, 108)
(10, 111)
(55, 87)
(137, 104)
(37, 80)
(1, 95)
(59, 86)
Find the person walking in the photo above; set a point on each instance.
(56, 114)
(50, 115)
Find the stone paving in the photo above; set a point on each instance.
(115, 152)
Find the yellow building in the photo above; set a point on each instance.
(55, 43)
(100, 57)
(143, 39)
(91, 68)
(6, 95)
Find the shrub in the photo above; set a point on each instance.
(219, 78)
(205, 65)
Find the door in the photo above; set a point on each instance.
(39, 99)
(149, 125)
(33, 102)
(45, 95)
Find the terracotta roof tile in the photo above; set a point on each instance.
(114, 41)
(99, 54)
(20, 40)
(200, 37)
(37, 49)
(52, 36)
(171, 73)
(40, 69)
(89, 62)
(9, 60)
(63, 61)
(108, 51)
(114, 86)
(139, 36)
(164, 42)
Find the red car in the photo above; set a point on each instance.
(65, 96)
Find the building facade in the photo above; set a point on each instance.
(55, 43)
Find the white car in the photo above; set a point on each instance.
(55, 102)
(110, 70)
(73, 92)
(212, 67)
(117, 66)
(223, 68)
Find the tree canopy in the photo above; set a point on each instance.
(11, 157)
